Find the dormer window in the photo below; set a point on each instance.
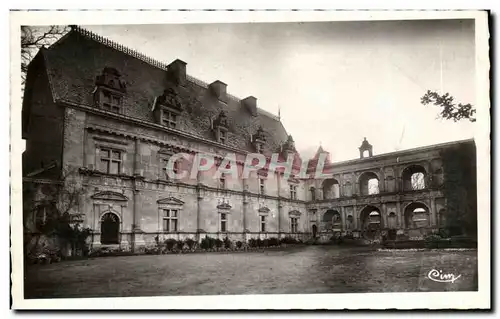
(222, 136)
(167, 108)
(258, 140)
(109, 91)
(111, 102)
(168, 119)
(220, 126)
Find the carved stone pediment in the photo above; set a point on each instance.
(294, 213)
(264, 210)
(225, 206)
(170, 98)
(110, 195)
(170, 201)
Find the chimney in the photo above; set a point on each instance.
(177, 72)
(219, 89)
(251, 104)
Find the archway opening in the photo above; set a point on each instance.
(331, 219)
(370, 218)
(314, 230)
(414, 178)
(417, 215)
(331, 189)
(369, 183)
(110, 229)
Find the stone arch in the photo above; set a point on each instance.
(331, 219)
(110, 223)
(369, 183)
(370, 217)
(331, 188)
(414, 177)
(417, 215)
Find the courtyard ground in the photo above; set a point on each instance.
(304, 269)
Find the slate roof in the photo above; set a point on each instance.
(76, 59)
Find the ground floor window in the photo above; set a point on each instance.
(223, 222)
(294, 224)
(263, 219)
(170, 220)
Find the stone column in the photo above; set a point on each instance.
(343, 218)
(199, 213)
(384, 215)
(355, 217)
(401, 222)
(433, 212)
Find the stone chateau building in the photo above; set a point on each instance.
(105, 119)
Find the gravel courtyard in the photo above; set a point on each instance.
(305, 269)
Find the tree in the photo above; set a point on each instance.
(51, 219)
(449, 109)
(34, 38)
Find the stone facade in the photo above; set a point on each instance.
(109, 123)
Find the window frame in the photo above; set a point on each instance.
(109, 159)
(293, 192)
(262, 186)
(107, 101)
(223, 222)
(164, 158)
(294, 224)
(263, 223)
(169, 220)
(169, 118)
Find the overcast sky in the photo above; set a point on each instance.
(335, 82)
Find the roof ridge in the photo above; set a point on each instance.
(154, 62)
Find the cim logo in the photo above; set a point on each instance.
(438, 276)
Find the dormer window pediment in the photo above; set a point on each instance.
(220, 127)
(170, 99)
(167, 108)
(110, 90)
(111, 79)
(259, 139)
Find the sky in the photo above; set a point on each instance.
(333, 82)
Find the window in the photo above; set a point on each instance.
(259, 148)
(313, 193)
(169, 119)
(262, 187)
(42, 216)
(263, 223)
(222, 136)
(110, 161)
(223, 222)
(294, 224)
(222, 181)
(111, 102)
(293, 191)
(170, 220)
(164, 167)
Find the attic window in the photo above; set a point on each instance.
(109, 91)
(168, 118)
(222, 136)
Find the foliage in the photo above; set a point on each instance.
(190, 243)
(207, 243)
(219, 243)
(34, 38)
(239, 244)
(459, 168)
(227, 243)
(289, 240)
(449, 109)
(180, 244)
(170, 243)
